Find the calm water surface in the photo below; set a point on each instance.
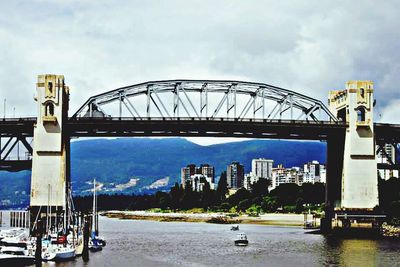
(148, 243)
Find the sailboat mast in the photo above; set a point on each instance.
(94, 206)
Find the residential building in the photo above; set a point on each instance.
(262, 168)
(191, 169)
(312, 172)
(281, 175)
(249, 179)
(198, 181)
(185, 175)
(235, 175)
(208, 171)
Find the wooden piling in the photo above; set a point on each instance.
(38, 251)
(86, 234)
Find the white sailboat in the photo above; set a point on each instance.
(95, 244)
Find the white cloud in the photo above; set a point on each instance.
(390, 113)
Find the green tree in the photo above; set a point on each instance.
(243, 205)
(176, 194)
(313, 193)
(207, 196)
(162, 200)
(269, 204)
(240, 195)
(286, 194)
(260, 188)
(222, 188)
(299, 205)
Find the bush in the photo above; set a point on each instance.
(225, 206)
(289, 208)
(253, 211)
(243, 205)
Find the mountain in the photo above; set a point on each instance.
(143, 165)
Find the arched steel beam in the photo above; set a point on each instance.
(285, 99)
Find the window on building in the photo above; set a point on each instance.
(361, 114)
(49, 109)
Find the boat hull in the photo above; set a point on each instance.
(65, 255)
(16, 260)
(241, 242)
(95, 248)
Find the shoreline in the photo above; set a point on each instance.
(272, 219)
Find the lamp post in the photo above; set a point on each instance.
(5, 100)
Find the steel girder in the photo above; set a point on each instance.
(172, 99)
(15, 153)
(392, 160)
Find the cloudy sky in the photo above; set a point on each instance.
(307, 46)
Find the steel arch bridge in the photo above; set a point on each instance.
(172, 99)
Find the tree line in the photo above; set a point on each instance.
(284, 198)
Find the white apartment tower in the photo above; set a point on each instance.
(262, 168)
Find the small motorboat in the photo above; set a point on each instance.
(235, 227)
(241, 240)
(95, 248)
(14, 251)
(101, 241)
(95, 245)
(17, 238)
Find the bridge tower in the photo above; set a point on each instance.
(50, 161)
(359, 182)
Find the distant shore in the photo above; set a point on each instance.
(275, 219)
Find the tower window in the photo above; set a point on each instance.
(362, 92)
(49, 109)
(361, 114)
(50, 87)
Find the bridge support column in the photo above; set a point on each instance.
(50, 174)
(335, 152)
(359, 181)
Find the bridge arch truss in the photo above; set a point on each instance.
(174, 99)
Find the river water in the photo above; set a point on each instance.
(149, 243)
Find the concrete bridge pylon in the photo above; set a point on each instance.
(50, 159)
(359, 180)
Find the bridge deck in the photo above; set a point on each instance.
(209, 127)
(185, 126)
(218, 127)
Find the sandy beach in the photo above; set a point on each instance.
(263, 219)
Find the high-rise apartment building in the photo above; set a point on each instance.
(191, 170)
(262, 168)
(208, 171)
(235, 175)
(314, 172)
